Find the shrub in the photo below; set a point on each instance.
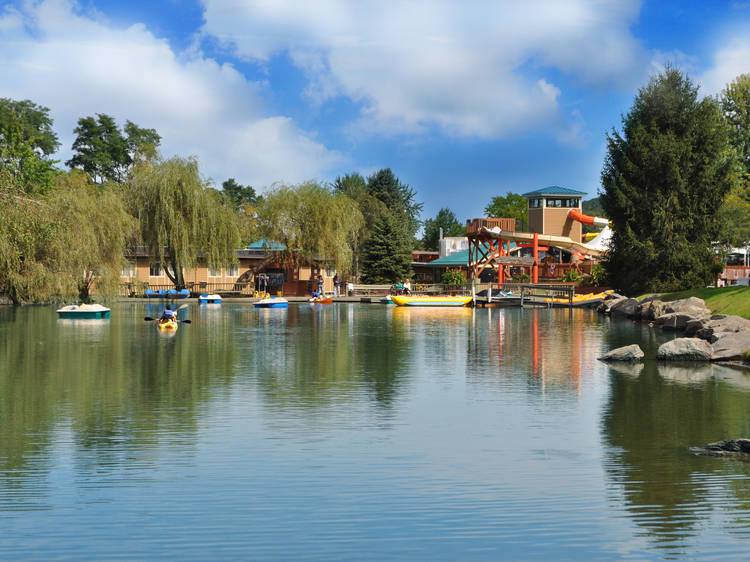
(454, 277)
(571, 276)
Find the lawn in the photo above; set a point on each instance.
(725, 300)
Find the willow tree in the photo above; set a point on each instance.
(312, 222)
(60, 245)
(181, 218)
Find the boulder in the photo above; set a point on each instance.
(730, 345)
(722, 324)
(728, 448)
(685, 349)
(692, 306)
(674, 321)
(648, 299)
(652, 309)
(693, 326)
(613, 296)
(624, 307)
(626, 353)
(606, 305)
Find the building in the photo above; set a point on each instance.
(549, 210)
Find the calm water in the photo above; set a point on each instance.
(360, 431)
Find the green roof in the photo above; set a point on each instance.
(264, 244)
(458, 258)
(554, 190)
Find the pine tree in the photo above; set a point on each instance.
(386, 257)
(664, 179)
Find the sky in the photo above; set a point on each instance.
(464, 101)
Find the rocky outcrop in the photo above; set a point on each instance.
(685, 349)
(606, 305)
(731, 345)
(651, 309)
(625, 307)
(732, 448)
(692, 306)
(674, 321)
(713, 327)
(626, 353)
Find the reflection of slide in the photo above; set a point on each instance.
(577, 215)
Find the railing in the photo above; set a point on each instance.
(417, 289)
(138, 289)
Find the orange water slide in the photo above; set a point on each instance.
(577, 215)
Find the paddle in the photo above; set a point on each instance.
(149, 319)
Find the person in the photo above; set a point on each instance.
(407, 287)
(168, 314)
(320, 283)
(337, 285)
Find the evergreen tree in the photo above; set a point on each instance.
(446, 220)
(664, 179)
(397, 197)
(239, 195)
(386, 257)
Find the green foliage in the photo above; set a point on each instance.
(446, 220)
(521, 278)
(313, 222)
(33, 123)
(598, 275)
(398, 199)
(735, 105)
(664, 179)
(59, 245)
(239, 195)
(592, 207)
(387, 255)
(180, 218)
(105, 153)
(454, 277)
(512, 206)
(571, 276)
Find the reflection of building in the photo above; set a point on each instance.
(260, 267)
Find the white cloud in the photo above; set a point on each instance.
(730, 61)
(469, 68)
(78, 65)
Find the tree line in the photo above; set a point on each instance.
(675, 184)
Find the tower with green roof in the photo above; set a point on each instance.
(549, 208)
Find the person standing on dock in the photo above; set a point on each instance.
(337, 285)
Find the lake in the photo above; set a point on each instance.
(355, 431)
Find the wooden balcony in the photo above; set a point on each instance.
(474, 226)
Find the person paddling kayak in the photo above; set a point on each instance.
(168, 314)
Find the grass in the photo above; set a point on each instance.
(724, 300)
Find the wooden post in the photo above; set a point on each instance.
(535, 268)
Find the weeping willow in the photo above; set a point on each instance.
(59, 246)
(313, 223)
(180, 218)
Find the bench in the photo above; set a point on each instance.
(372, 289)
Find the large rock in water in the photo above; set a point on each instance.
(625, 307)
(731, 345)
(652, 309)
(685, 349)
(627, 353)
(713, 328)
(675, 321)
(692, 306)
(728, 448)
(606, 305)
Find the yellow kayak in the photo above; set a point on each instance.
(402, 300)
(167, 325)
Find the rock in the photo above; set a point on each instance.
(652, 309)
(685, 349)
(613, 296)
(692, 306)
(624, 307)
(606, 305)
(722, 324)
(675, 321)
(626, 353)
(648, 299)
(727, 448)
(693, 326)
(730, 345)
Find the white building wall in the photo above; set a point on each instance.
(453, 244)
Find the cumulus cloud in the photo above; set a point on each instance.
(730, 61)
(79, 65)
(479, 69)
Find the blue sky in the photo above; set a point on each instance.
(462, 100)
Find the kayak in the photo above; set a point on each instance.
(321, 300)
(167, 325)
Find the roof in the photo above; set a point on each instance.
(264, 244)
(554, 190)
(457, 258)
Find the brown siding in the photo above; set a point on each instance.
(536, 220)
(557, 223)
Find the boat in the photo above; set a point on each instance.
(167, 325)
(95, 311)
(209, 299)
(272, 302)
(321, 300)
(387, 300)
(181, 294)
(403, 300)
(581, 300)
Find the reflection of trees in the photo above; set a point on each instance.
(116, 384)
(650, 422)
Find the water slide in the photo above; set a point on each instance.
(545, 240)
(577, 215)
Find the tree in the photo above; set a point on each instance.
(239, 195)
(512, 206)
(664, 179)
(102, 151)
(397, 197)
(386, 255)
(735, 105)
(26, 141)
(180, 219)
(445, 220)
(312, 222)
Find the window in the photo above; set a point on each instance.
(214, 272)
(233, 270)
(330, 272)
(554, 202)
(154, 269)
(535, 203)
(128, 270)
